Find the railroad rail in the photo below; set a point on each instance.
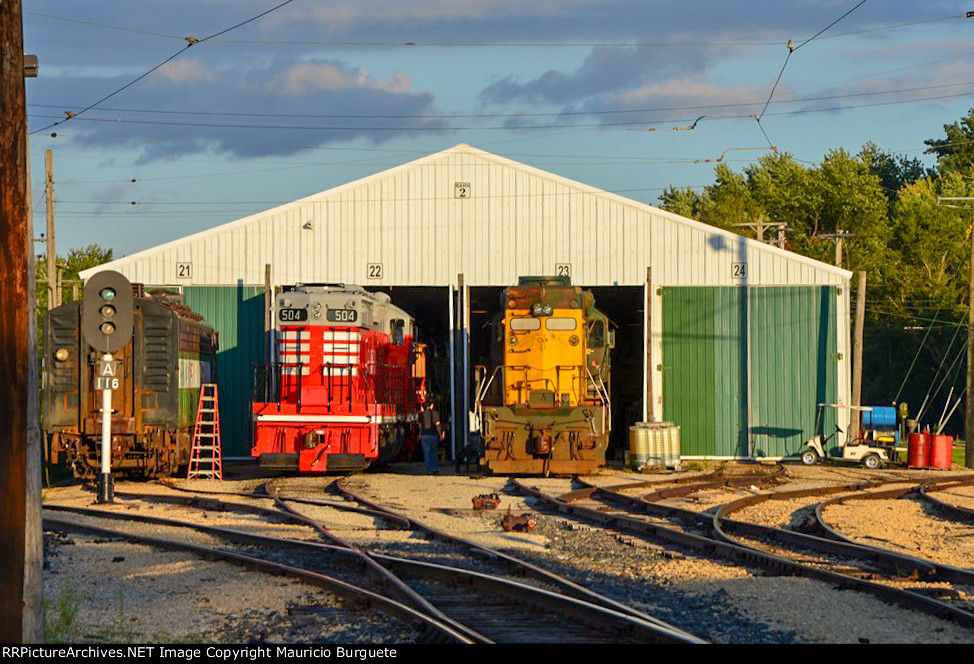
(507, 610)
(938, 571)
(698, 531)
(953, 511)
(431, 629)
(514, 564)
(454, 603)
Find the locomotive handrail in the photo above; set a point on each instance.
(485, 385)
(603, 393)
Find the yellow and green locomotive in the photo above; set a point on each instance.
(545, 405)
(171, 354)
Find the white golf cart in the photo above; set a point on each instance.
(871, 448)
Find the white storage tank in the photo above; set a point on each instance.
(655, 444)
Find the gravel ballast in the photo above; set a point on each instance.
(149, 595)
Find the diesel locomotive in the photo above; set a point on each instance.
(348, 386)
(544, 406)
(171, 354)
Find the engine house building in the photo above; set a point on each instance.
(734, 340)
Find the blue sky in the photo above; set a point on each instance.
(315, 94)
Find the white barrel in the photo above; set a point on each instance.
(650, 444)
(671, 450)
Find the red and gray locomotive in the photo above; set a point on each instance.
(347, 386)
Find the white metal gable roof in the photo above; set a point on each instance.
(467, 211)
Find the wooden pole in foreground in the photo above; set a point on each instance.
(53, 293)
(15, 388)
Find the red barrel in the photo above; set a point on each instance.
(941, 451)
(918, 450)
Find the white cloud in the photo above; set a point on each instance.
(185, 72)
(308, 77)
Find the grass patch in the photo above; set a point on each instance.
(60, 615)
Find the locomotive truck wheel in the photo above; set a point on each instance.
(810, 457)
(872, 461)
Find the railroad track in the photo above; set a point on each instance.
(930, 487)
(489, 608)
(500, 562)
(428, 629)
(774, 551)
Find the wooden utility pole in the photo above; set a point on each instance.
(53, 292)
(838, 236)
(857, 355)
(20, 618)
(760, 226)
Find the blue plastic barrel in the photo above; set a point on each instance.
(879, 416)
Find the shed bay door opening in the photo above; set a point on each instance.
(624, 307)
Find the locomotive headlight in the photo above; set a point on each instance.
(573, 340)
(107, 328)
(317, 305)
(61, 355)
(512, 340)
(536, 309)
(546, 310)
(511, 304)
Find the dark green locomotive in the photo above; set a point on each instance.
(171, 354)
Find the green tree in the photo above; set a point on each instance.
(683, 201)
(955, 152)
(894, 171)
(72, 265)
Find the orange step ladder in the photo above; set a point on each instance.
(206, 460)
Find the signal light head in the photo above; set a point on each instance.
(107, 311)
(61, 354)
(107, 328)
(107, 293)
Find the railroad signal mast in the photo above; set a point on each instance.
(107, 321)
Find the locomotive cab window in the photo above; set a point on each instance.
(560, 324)
(525, 324)
(397, 330)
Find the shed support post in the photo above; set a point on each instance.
(856, 416)
(463, 421)
(648, 343)
(452, 341)
(268, 316)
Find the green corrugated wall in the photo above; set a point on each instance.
(793, 363)
(237, 314)
(702, 364)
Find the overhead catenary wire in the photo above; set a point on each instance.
(913, 363)
(791, 49)
(595, 113)
(933, 392)
(190, 42)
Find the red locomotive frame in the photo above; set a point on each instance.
(348, 386)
